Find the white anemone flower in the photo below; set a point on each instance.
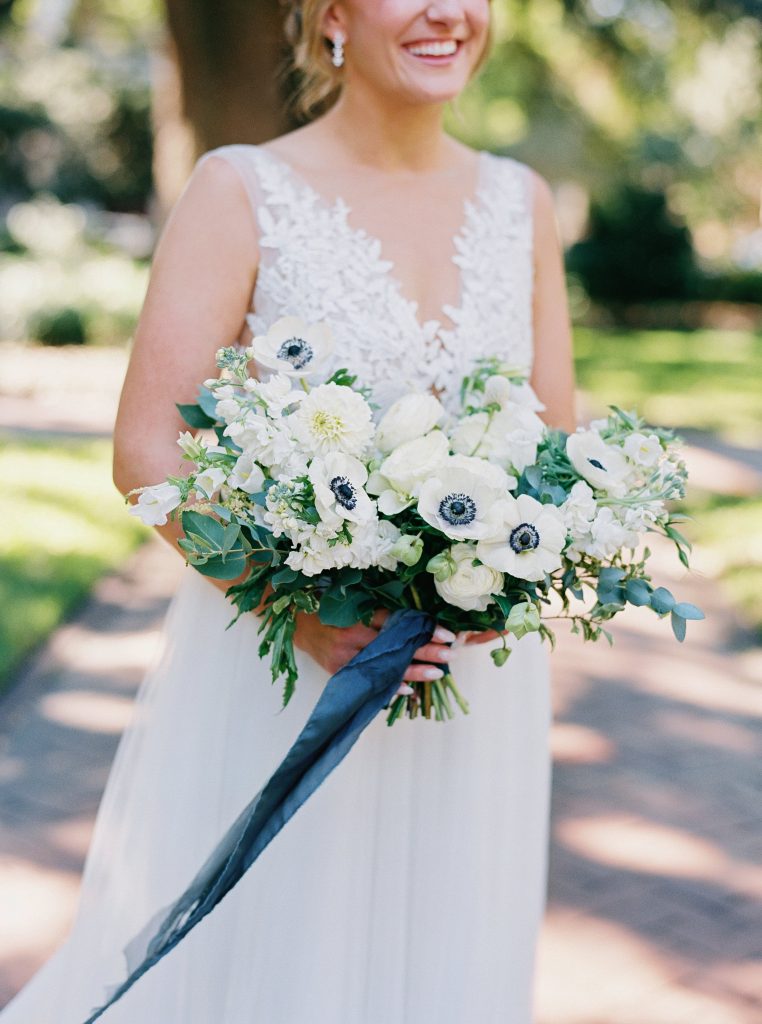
(604, 466)
(292, 346)
(332, 418)
(338, 481)
(529, 541)
(463, 498)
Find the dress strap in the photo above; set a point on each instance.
(243, 158)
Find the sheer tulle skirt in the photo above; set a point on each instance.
(409, 889)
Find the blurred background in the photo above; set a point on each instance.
(645, 117)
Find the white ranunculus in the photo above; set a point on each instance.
(155, 503)
(210, 480)
(462, 500)
(399, 479)
(530, 539)
(471, 586)
(338, 480)
(409, 417)
(293, 347)
(247, 475)
(643, 450)
(602, 465)
(332, 418)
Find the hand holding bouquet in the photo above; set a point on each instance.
(487, 519)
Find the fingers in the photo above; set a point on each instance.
(433, 652)
(481, 636)
(380, 615)
(418, 673)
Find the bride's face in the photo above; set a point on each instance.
(418, 52)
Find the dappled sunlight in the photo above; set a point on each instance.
(634, 844)
(88, 712)
(36, 902)
(710, 732)
(578, 744)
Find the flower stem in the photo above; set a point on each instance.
(449, 682)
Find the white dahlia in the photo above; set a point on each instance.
(333, 418)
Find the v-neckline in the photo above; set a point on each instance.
(385, 267)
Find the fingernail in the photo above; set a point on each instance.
(442, 635)
(432, 673)
(404, 690)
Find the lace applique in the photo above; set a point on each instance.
(316, 265)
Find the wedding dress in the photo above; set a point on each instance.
(410, 887)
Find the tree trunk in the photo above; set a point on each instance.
(218, 80)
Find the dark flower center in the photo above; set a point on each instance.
(597, 464)
(344, 491)
(524, 537)
(296, 351)
(457, 509)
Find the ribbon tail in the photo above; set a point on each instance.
(350, 700)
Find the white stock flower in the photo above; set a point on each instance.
(608, 535)
(409, 417)
(373, 544)
(509, 437)
(277, 392)
(602, 465)
(333, 418)
(529, 540)
(247, 475)
(463, 498)
(642, 450)
(338, 480)
(398, 480)
(316, 555)
(210, 480)
(471, 586)
(154, 503)
(579, 509)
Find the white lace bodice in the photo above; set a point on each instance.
(316, 265)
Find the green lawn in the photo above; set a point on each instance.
(705, 379)
(64, 525)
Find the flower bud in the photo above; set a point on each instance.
(407, 549)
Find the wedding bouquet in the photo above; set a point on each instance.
(487, 519)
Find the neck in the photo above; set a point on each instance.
(387, 135)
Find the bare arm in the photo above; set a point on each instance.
(199, 292)
(553, 371)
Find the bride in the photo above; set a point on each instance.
(409, 889)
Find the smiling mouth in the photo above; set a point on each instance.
(434, 50)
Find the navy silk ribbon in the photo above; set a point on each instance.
(350, 700)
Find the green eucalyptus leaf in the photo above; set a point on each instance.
(678, 626)
(662, 600)
(688, 611)
(194, 416)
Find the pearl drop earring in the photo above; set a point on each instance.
(337, 58)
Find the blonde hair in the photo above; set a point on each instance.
(320, 83)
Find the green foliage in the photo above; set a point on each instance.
(65, 326)
(634, 249)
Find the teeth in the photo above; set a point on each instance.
(443, 49)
